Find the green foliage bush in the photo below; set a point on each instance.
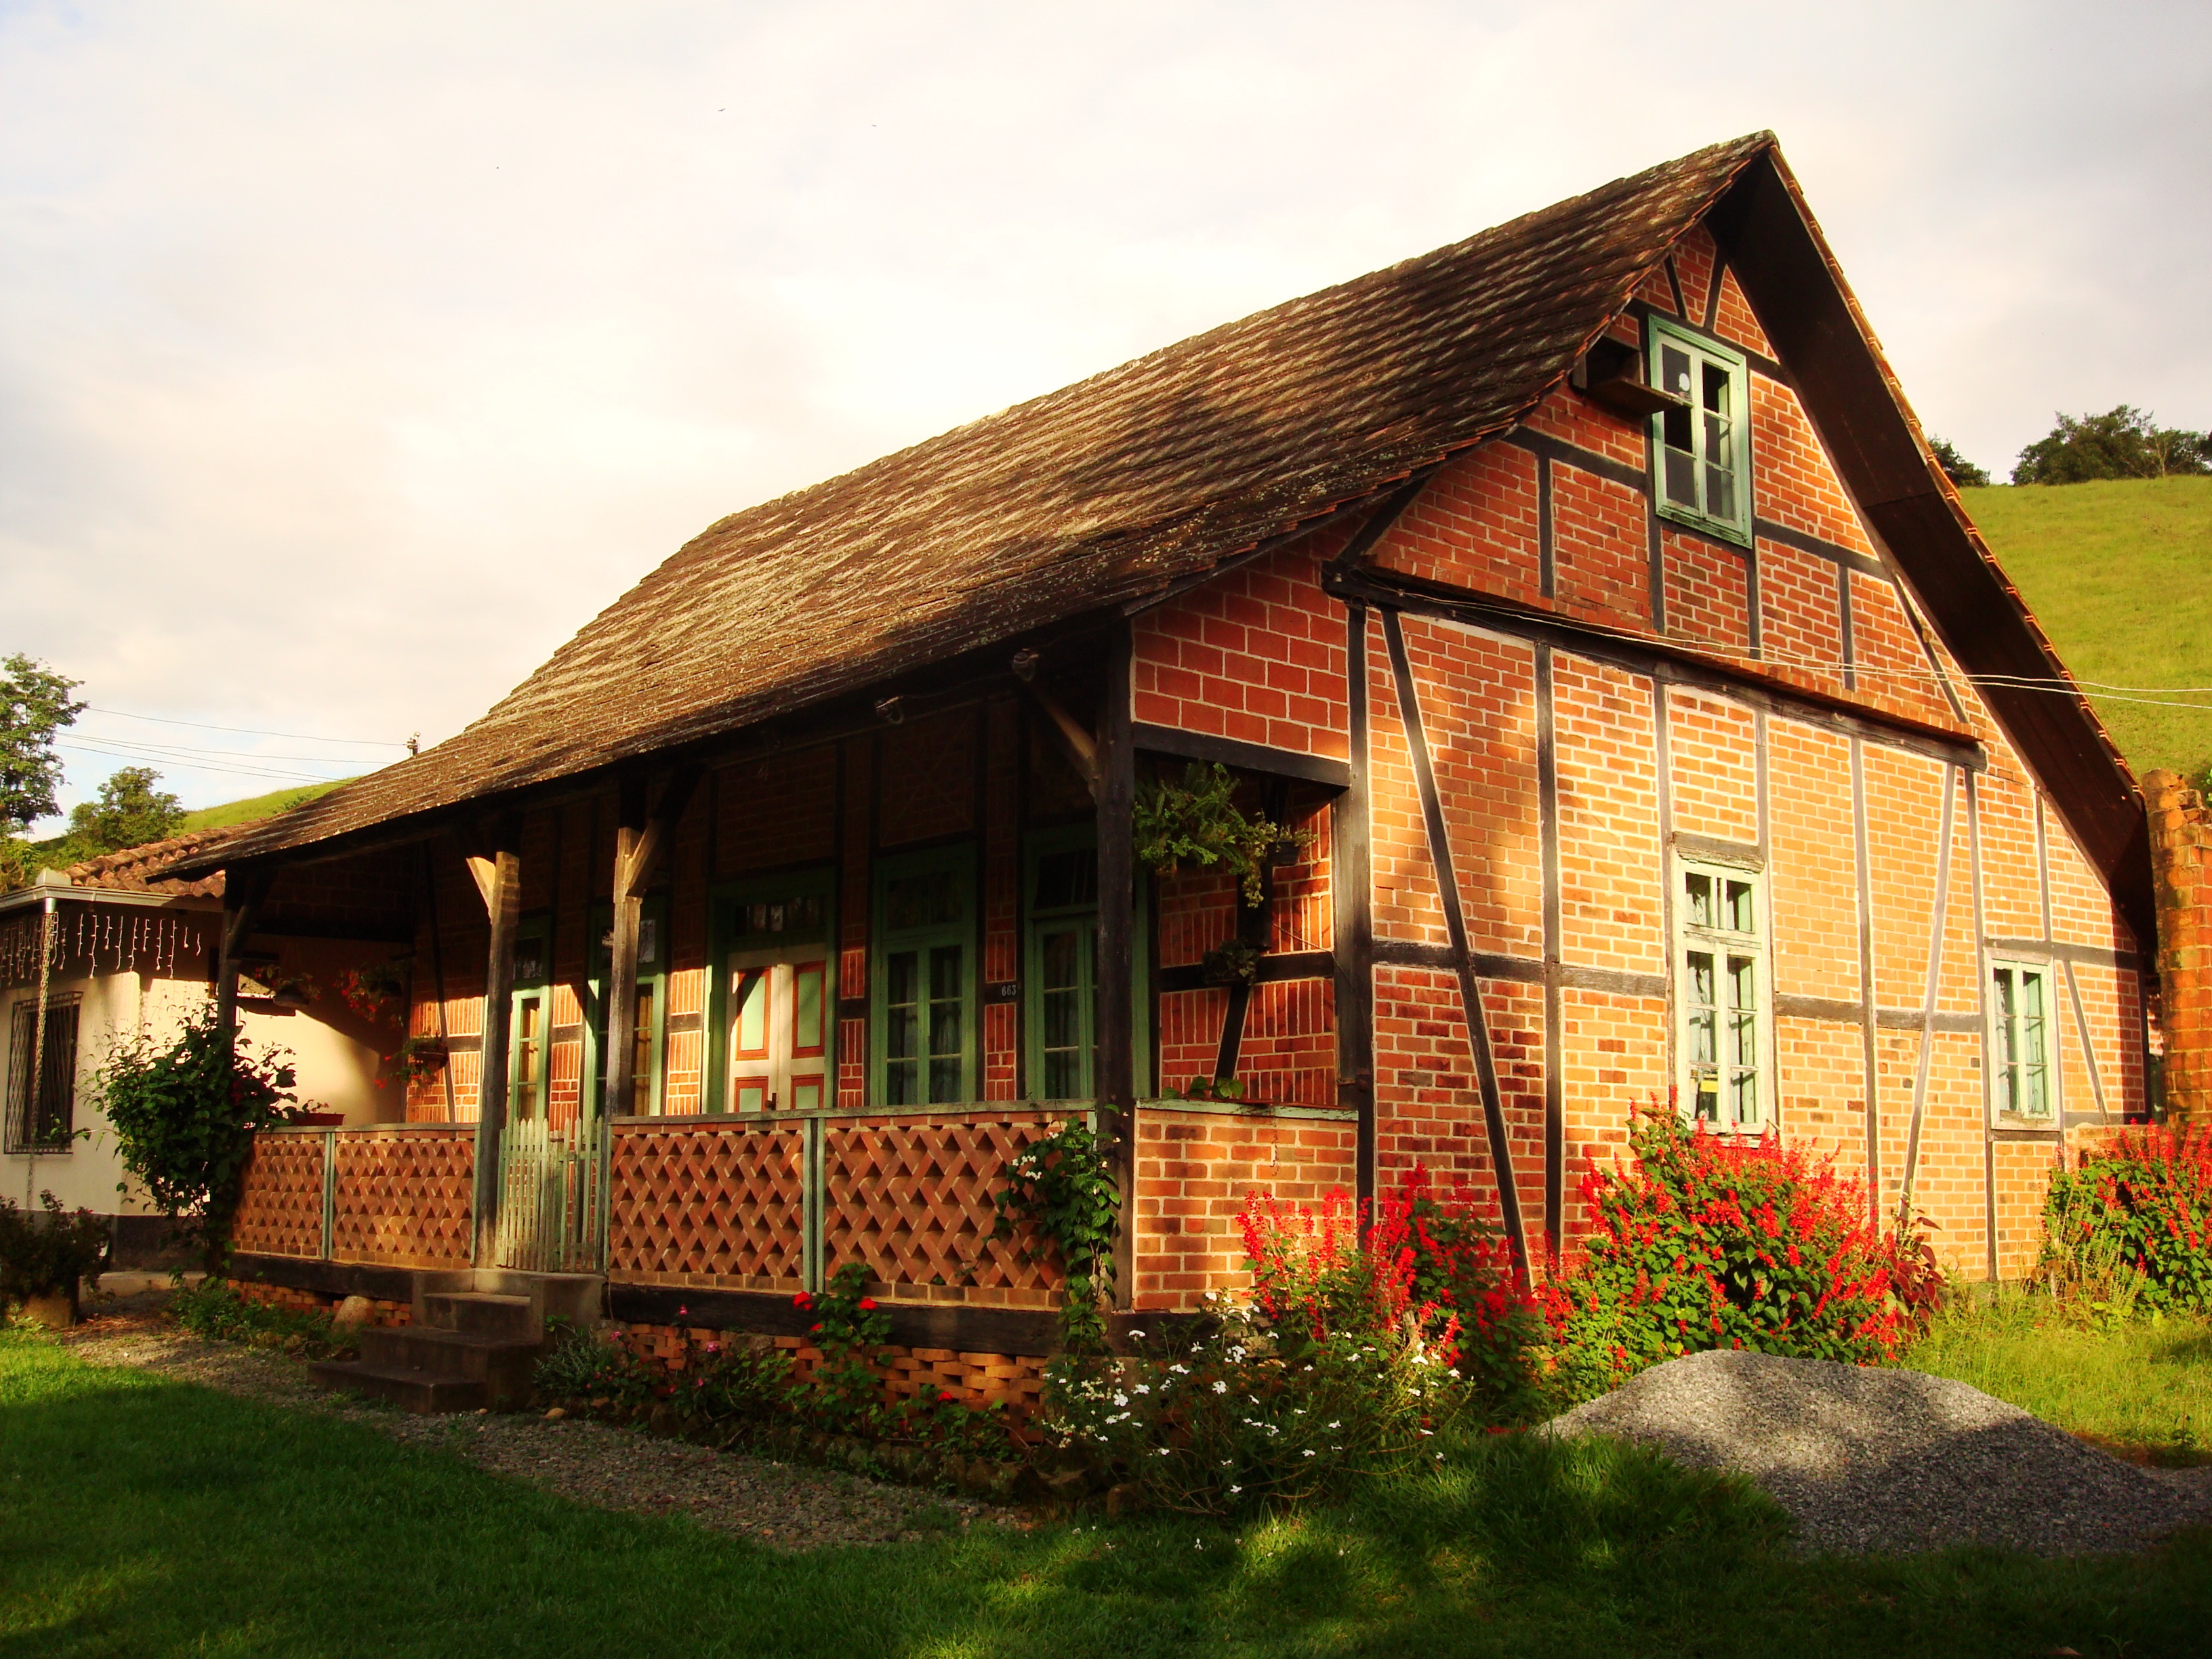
(213, 1310)
(1196, 824)
(2135, 1222)
(48, 1254)
(578, 1365)
(185, 1113)
(1059, 1186)
(1702, 1241)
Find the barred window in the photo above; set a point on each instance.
(42, 1119)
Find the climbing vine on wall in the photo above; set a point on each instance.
(1060, 1188)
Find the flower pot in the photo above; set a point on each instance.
(56, 1310)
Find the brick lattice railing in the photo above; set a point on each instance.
(280, 1205)
(714, 1202)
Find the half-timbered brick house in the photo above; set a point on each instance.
(1663, 728)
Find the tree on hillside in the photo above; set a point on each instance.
(129, 812)
(1962, 472)
(2127, 443)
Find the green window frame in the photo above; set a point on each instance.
(1721, 997)
(2023, 1081)
(924, 1041)
(753, 912)
(650, 1034)
(1060, 967)
(530, 1028)
(1701, 448)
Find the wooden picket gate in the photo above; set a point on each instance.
(553, 1197)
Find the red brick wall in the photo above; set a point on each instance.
(1196, 1170)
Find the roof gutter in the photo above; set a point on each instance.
(51, 886)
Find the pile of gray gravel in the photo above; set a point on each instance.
(1893, 1461)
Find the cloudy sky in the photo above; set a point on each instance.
(351, 356)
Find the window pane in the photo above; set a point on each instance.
(1702, 1016)
(1063, 1040)
(529, 1040)
(1708, 1104)
(751, 1025)
(945, 1023)
(932, 899)
(1741, 917)
(1681, 477)
(641, 1050)
(1698, 890)
(1720, 492)
(1746, 1101)
(1065, 880)
(1675, 372)
(806, 1009)
(903, 1006)
(1716, 395)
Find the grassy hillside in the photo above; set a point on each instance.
(2120, 575)
(238, 811)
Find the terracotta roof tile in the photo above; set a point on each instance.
(144, 869)
(1088, 496)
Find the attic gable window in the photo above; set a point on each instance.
(1701, 444)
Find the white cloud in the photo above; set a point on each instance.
(350, 358)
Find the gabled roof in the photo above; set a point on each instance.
(1120, 484)
(1096, 494)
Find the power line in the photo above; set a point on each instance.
(246, 730)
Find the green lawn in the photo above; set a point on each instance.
(144, 1517)
(2120, 575)
(2144, 1388)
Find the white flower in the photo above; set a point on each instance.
(1220, 1387)
(1121, 1399)
(1336, 1426)
(1199, 1545)
(1233, 1490)
(1142, 1388)
(1307, 1452)
(1164, 1452)
(1136, 1333)
(1227, 1462)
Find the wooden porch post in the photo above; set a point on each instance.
(499, 877)
(640, 840)
(1116, 1066)
(243, 893)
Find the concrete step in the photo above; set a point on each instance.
(511, 1318)
(422, 1392)
(500, 1365)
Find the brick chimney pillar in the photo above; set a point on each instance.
(2181, 866)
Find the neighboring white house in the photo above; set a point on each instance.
(112, 948)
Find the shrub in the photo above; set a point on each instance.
(1705, 1242)
(1244, 1415)
(579, 1365)
(186, 1112)
(48, 1255)
(213, 1310)
(2134, 1225)
(1061, 1186)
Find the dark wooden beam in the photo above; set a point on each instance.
(641, 839)
(1353, 917)
(1440, 857)
(244, 893)
(1257, 758)
(502, 888)
(1114, 1066)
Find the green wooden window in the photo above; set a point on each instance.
(1062, 966)
(2019, 1016)
(772, 1004)
(923, 988)
(1720, 996)
(530, 1039)
(648, 1030)
(1701, 449)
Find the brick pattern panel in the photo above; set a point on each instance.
(1904, 820)
(2080, 910)
(1712, 745)
(2005, 804)
(404, 1197)
(1823, 1088)
(1708, 594)
(778, 812)
(1600, 557)
(1736, 320)
(1288, 1053)
(1190, 1034)
(2023, 1176)
(1609, 855)
(1474, 527)
(1013, 1383)
(280, 1207)
(1256, 654)
(1893, 670)
(1801, 617)
(1696, 259)
(1792, 481)
(1590, 426)
(1615, 1064)
(929, 768)
(708, 1204)
(1303, 917)
(1197, 910)
(1195, 1173)
(911, 1197)
(1811, 869)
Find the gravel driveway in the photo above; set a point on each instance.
(790, 1506)
(1891, 1461)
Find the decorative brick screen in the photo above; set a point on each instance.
(716, 1205)
(911, 1197)
(280, 1210)
(403, 1197)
